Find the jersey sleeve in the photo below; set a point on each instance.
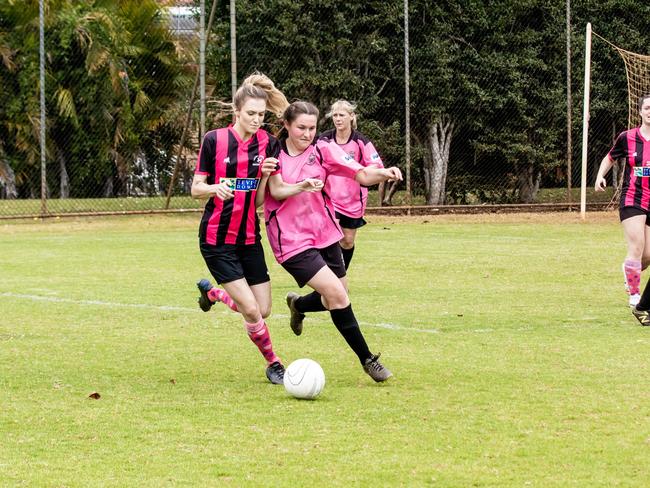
(336, 161)
(273, 151)
(369, 155)
(619, 150)
(207, 154)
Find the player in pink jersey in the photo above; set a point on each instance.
(634, 147)
(348, 196)
(232, 175)
(304, 233)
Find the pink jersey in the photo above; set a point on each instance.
(306, 220)
(348, 196)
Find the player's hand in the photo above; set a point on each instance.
(269, 165)
(222, 191)
(601, 184)
(393, 174)
(311, 185)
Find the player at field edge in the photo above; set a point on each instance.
(349, 198)
(232, 174)
(634, 209)
(303, 232)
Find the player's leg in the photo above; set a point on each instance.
(334, 292)
(211, 294)
(641, 311)
(255, 325)
(223, 263)
(633, 222)
(303, 267)
(347, 245)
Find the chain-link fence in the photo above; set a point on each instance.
(487, 82)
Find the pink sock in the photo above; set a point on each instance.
(632, 275)
(259, 334)
(219, 295)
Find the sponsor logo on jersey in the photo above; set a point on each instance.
(642, 171)
(311, 159)
(374, 156)
(258, 160)
(348, 158)
(241, 184)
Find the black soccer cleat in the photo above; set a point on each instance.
(204, 287)
(275, 373)
(296, 318)
(643, 316)
(376, 370)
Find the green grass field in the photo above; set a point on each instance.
(516, 361)
(55, 206)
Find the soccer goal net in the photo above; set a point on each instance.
(637, 71)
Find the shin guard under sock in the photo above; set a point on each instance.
(310, 303)
(259, 334)
(347, 325)
(347, 256)
(644, 303)
(632, 270)
(219, 295)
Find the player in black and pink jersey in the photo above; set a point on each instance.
(232, 173)
(634, 147)
(349, 198)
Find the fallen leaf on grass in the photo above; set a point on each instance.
(94, 395)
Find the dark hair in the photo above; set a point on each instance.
(642, 99)
(297, 108)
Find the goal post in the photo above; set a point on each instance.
(637, 71)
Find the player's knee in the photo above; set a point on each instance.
(265, 311)
(336, 298)
(347, 242)
(250, 311)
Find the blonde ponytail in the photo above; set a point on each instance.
(258, 85)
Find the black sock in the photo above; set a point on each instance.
(644, 303)
(310, 303)
(347, 256)
(348, 326)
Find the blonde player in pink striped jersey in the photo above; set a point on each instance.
(303, 232)
(349, 198)
(231, 174)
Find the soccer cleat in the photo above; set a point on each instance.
(204, 287)
(275, 373)
(376, 370)
(643, 316)
(634, 300)
(296, 318)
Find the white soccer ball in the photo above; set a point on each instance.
(304, 378)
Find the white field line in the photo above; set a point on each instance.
(169, 308)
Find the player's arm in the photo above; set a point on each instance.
(371, 175)
(202, 190)
(269, 165)
(281, 190)
(605, 165)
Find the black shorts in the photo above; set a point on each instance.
(228, 262)
(627, 212)
(304, 266)
(350, 222)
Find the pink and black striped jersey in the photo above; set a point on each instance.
(348, 196)
(635, 190)
(224, 156)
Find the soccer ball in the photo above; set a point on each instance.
(304, 378)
